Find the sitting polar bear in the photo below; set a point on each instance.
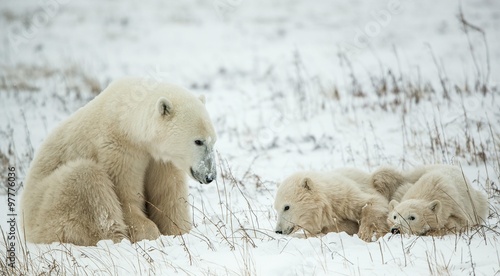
(440, 201)
(117, 167)
(322, 202)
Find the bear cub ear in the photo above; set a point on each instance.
(202, 99)
(307, 184)
(393, 204)
(435, 206)
(164, 106)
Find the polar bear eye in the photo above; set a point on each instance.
(394, 217)
(198, 142)
(286, 208)
(411, 218)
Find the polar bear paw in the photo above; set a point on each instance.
(143, 229)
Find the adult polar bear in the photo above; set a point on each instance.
(117, 167)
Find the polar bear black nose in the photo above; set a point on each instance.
(395, 230)
(279, 232)
(209, 179)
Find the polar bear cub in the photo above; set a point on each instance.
(322, 202)
(441, 201)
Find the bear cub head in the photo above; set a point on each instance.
(413, 216)
(297, 205)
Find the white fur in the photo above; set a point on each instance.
(440, 201)
(117, 167)
(322, 202)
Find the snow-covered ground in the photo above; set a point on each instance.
(291, 85)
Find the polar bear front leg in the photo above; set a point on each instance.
(129, 188)
(166, 192)
(373, 221)
(370, 211)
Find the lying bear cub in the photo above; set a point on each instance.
(431, 200)
(322, 202)
(428, 200)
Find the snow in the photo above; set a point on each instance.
(290, 85)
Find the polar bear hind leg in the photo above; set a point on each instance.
(80, 206)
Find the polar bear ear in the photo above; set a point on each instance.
(164, 106)
(202, 99)
(435, 206)
(307, 184)
(393, 204)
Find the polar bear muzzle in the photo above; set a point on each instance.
(205, 170)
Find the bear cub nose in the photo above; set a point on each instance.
(209, 179)
(279, 232)
(395, 230)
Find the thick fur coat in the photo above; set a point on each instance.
(117, 168)
(433, 199)
(322, 202)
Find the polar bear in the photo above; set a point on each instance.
(439, 202)
(117, 168)
(336, 201)
(393, 183)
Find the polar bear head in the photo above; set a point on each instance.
(185, 136)
(298, 204)
(172, 124)
(413, 216)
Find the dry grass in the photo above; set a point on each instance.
(239, 221)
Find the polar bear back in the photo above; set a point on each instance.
(449, 185)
